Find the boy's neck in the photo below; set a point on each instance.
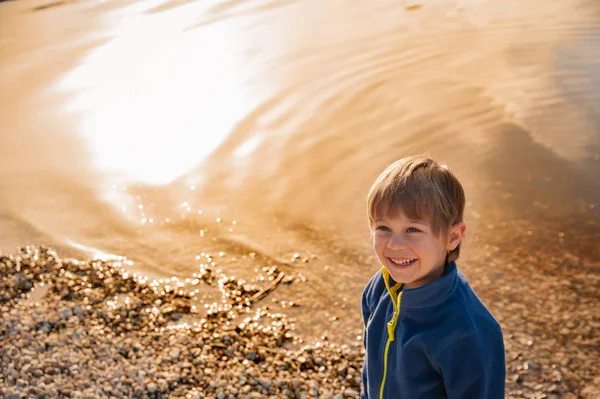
(437, 277)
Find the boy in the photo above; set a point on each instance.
(427, 335)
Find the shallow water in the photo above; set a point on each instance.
(163, 130)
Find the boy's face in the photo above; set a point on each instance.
(411, 252)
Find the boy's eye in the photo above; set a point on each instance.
(383, 228)
(413, 230)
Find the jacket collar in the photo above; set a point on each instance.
(428, 295)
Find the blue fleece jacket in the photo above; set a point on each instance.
(444, 344)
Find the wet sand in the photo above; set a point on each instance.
(302, 114)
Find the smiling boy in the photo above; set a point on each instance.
(427, 334)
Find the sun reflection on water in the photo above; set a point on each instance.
(158, 97)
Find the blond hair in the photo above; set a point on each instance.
(422, 189)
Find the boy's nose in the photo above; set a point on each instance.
(396, 242)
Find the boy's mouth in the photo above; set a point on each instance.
(403, 262)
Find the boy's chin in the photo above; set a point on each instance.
(399, 276)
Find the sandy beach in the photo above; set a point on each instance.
(182, 187)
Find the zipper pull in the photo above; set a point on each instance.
(391, 327)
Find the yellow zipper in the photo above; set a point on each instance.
(391, 325)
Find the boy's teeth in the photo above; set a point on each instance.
(398, 262)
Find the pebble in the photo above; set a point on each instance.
(265, 383)
(65, 313)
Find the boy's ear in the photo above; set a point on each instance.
(457, 232)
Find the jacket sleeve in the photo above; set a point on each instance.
(366, 314)
(473, 367)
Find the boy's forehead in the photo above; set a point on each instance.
(400, 217)
(405, 211)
